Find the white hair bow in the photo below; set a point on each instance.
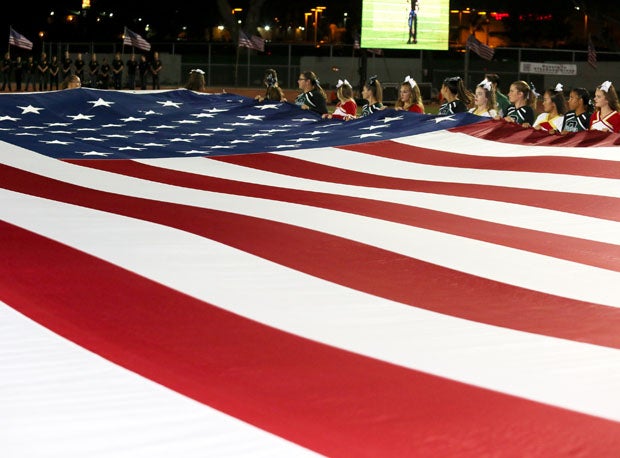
(340, 83)
(559, 87)
(533, 89)
(411, 81)
(197, 70)
(486, 84)
(605, 86)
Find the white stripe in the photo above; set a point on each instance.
(503, 264)
(61, 401)
(375, 165)
(457, 142)
(559, 372)
(534, 218)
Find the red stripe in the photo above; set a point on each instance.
(331, 401)
(597, 254)
(384, 273)
(537, 164)
(581, 204)
(504, 132)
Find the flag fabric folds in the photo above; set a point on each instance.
(484, 51)
(135, 40)
(206, 275)
(591, 53)
(17, 39)
(252, 42)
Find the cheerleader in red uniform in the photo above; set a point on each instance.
(410, 98)
(346, 108)
(606, 116)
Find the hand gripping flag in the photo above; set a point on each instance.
(187, 274)
(484, 51)
(17, 39)
(135, 40)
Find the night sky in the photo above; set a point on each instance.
(165, 20)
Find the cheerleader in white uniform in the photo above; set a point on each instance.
(554, 106)
(606, 116)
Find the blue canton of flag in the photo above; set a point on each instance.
(96, 123)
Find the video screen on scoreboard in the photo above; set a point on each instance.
(405, 24)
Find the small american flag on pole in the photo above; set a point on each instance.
(484, 51)
(135, 40)
(17, 39)
(253, 42)
(591, 53)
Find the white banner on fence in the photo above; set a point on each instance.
(548, 69)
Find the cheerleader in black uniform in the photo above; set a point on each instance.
(579, 104)
(373, 93)
(522, 99)
(312, 95)
(457, 97)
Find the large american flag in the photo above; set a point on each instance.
(194, 275)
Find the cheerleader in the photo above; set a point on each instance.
(373, 93)
(346, 108)
(457, 97)
(273, 92)
(484, 100)
(554, 106)
(410, 98)
(522, 101)
(312, 95)
(579, 104)
(605, 116)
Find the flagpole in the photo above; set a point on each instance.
(237, 65)
(466, 66)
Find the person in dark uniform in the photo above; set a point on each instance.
(67, 66)
(93, 71)
(143, 70)
(18, 69)
(5, 67)
(54, 73)
(105, 73)
(78, 66)
(132, 67)
(43, 70)
(413, 22)
(30, 71)
(155, 67)
(117, 71)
